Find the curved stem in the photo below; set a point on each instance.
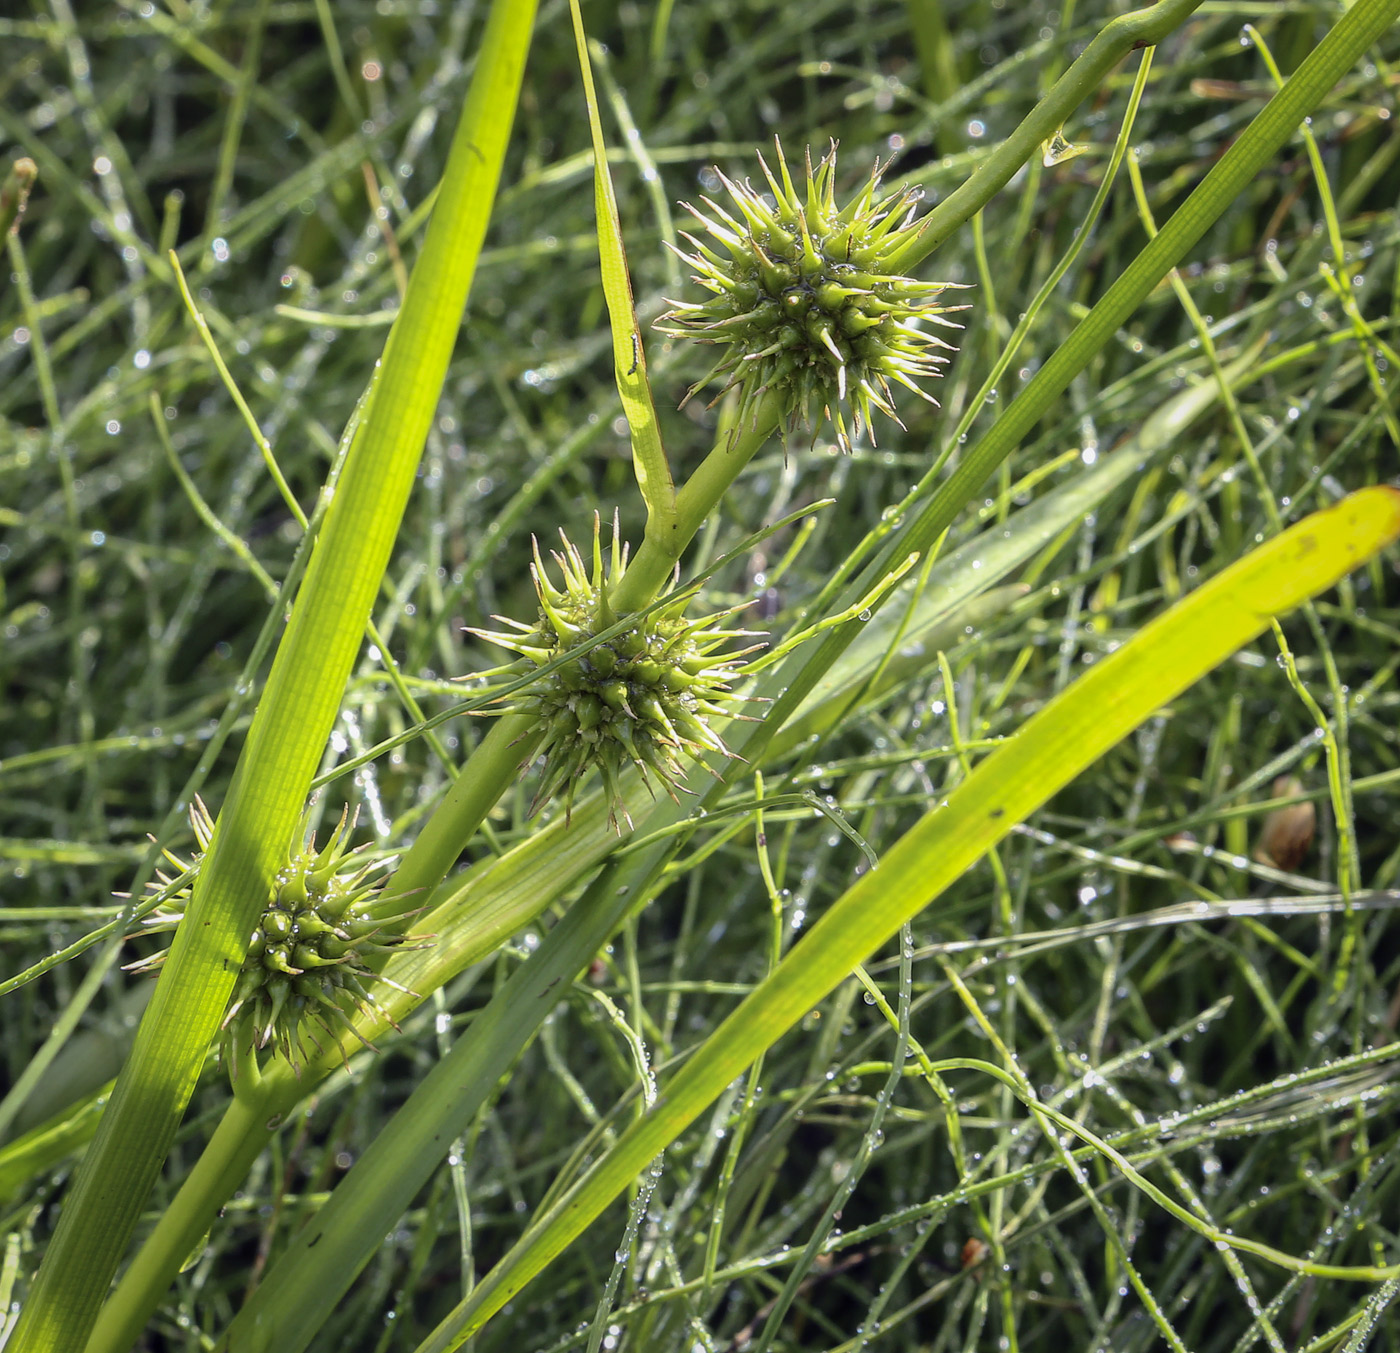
(486, 775)
(1140, 28)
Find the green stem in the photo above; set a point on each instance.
(662, 547)
(223, 1165)
(1140, 28)
(487, 774)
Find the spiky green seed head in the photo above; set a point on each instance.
(643, 696)
(806, 299)
(307, 967)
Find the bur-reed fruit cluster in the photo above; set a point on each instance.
(807, 301)
(308, 965)
(614, 693)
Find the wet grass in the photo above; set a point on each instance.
(1165, 965)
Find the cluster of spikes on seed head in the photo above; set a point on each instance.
(307, 963)
(642, 696)
(806, 302)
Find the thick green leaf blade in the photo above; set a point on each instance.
(1101, 708)
(293, 721)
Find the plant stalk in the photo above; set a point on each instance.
(661, 548)
(1128, 32)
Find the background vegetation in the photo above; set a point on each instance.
(1160, 963)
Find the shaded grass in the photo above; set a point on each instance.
(139, 636)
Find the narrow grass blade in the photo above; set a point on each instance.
(1066, 736)
(1257, 144)
(648, 456)
(1128, 32)
(293, 721)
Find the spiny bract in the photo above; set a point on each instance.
(641, 697)
(306, 964)
(805, 299)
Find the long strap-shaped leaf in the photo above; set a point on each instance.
(1067, 735)
(293, 721)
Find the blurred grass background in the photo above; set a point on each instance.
(286, 150)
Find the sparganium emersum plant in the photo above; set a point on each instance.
(643, 696)
(806, 299)
(814, 320)
(308, 964)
